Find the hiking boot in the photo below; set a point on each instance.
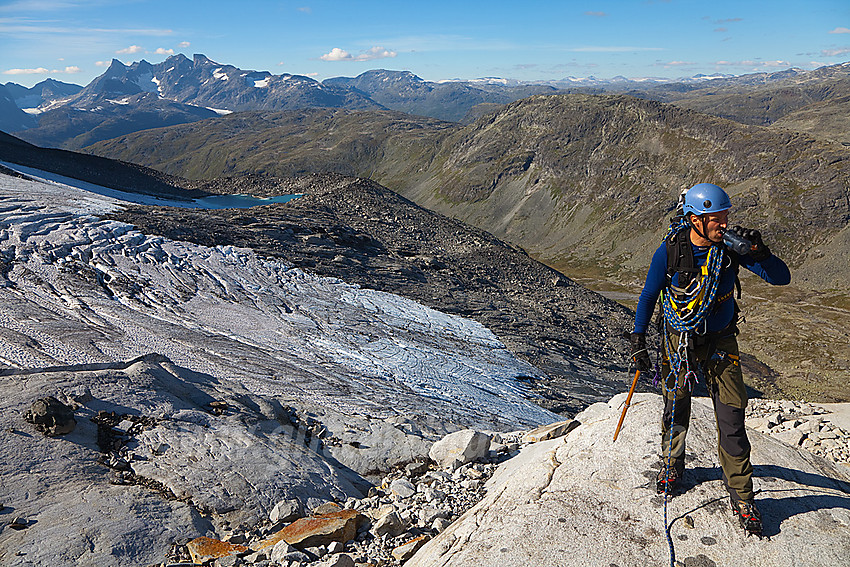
(668, 480)
(748, 515)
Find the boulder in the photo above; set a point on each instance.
(582, 500)
(51, 417)
(283, 553)
(391, 525)
(406, 550)
(326, 508)
(316, 530)
(460, 447)
(402, 488)
(286, 511)
(338, 560)
(203, 549)
(551, 431)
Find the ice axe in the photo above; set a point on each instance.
(626, 406)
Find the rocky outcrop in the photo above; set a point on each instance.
(797, 423)
(583, 500)
(51, 417)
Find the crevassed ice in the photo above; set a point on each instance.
(87, 290)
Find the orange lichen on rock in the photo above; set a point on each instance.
(317, 530)
(205, 548)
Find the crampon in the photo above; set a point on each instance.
(668, 481)
(748, 516)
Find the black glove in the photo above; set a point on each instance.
(759, 250)
(639, 353)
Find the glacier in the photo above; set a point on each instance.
(126, 294)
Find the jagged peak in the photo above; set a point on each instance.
(116, 64)
(200, 59)
(176, 57)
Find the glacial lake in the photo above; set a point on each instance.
(239, 201)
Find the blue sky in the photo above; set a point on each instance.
(73, 40)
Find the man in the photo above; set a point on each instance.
(696, 276)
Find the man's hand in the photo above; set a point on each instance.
(639, 353)
(759, 250)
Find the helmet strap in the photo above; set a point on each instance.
(698, 231)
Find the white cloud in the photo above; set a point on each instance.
(595, 14)
(840, 30)
(70, 70)
(337, 54)
(836, 52)
(678, 63)
(130, 50)
(163, 51)
(39, 71)
(183, 44)
(377, 52)
(305, 9)
(312, 74)
(101, 63)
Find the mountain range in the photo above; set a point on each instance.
(139, 96)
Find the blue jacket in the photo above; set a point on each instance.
(771, 269)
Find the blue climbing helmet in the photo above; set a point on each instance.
(705, 198)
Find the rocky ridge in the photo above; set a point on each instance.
(583, 500)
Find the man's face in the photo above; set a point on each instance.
(712, 225)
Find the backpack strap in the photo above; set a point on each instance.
(680, 258)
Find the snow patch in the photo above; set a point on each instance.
(217, 74)
(219, 111)
(262, 84)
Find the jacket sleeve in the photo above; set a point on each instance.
(656, 279)
(772, 269)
